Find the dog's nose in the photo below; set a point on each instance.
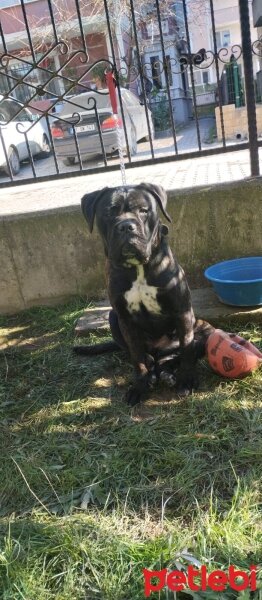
(126, 226)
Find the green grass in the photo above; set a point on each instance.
(92, 491)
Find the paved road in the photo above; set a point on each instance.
(185, 173)
(186, 141)
(53, 194)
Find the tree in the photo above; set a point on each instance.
(124, 17)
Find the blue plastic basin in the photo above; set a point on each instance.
(238, 282)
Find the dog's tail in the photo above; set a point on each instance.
(96, 349)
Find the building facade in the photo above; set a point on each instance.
(34, 41)
(228, 41)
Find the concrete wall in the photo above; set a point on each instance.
(49, 256)
(235, 121)
(183, 110)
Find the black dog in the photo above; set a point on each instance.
(152, 314)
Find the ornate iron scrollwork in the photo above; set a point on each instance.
(42, 90)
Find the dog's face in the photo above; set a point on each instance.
(127, 221)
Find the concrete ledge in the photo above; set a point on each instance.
(206, 306)
(49, 256)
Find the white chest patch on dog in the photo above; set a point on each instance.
(142, 293)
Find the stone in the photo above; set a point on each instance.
(207, 306)
(93, 319)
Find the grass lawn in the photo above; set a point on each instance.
(92, 491)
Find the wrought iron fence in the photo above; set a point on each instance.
(54, 101)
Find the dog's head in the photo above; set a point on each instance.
(127, 220)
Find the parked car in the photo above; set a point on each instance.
(13, 138)
(78, 115)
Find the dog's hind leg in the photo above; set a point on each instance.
(115, 330)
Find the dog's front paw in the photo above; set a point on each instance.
(168, 378)
(133, 396)
(137, 392)
(186, 383)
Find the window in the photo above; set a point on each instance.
(201, 77)
(223, 39)
(169, 70)
(5, 84)
(20, 72)
(197, 78)
(23, 116)
(156, 71)
(177, 8)
(153, 28)
(205, 76)
(9, 109)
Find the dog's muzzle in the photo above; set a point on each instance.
(127, 228)
(128, 242)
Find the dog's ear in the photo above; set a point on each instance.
(89, 203)
(160, 196)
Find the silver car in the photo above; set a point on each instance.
(15, 122)
(95, 131)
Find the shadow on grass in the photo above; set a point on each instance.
(70, 447)
(66, 428)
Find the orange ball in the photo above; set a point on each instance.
(231, 356)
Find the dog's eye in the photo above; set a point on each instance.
(143, 211)
(114, 210)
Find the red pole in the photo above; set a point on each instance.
(111, 84)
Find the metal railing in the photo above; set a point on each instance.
(50, 62)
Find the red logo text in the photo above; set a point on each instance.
(199, 580)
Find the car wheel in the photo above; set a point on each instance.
(13, 161)
(46, 147)
(69, 160)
